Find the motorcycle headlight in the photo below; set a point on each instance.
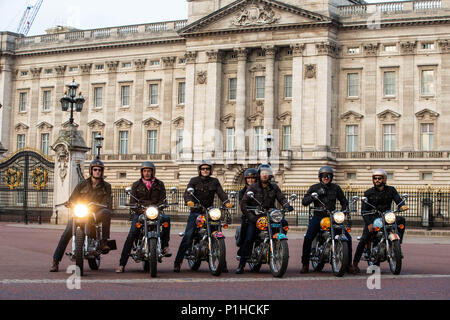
(390, 218)
(339, 217)
(152, 213)
(81, 210)
(215, 214)
(276, 216)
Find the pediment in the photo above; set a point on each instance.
(151, 122)
(67, 124)
(228, 120)
(95, 124)
(21, 126)
(257, 118)
(123, 123)
(351, 116)
(178, 121)
(388, 115)
(427, 114)
(285, 117)
(44, 125)
(251, 14)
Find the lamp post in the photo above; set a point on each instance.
(98, 144)
(70, 99)
(269, 139)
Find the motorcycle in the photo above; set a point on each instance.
(208, 241)
(384, 242)
(270, 246)
(86, 236)
(330, 244)
(147, 248)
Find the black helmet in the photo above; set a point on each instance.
(96, 163)
(148, 165)
(203, 163)
(265, 167)
(250, 172)
(326, 169)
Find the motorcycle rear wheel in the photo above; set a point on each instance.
(195, 263)
(395, 260)
(280, 259)
(317, 266)
(79, 243)
(340, 263)
(217, 256)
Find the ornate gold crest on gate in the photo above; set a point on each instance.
(39, 178)
(12, 178)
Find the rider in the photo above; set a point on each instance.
(205, 188)
(381, 197)
(93, 189)
(150, 191)
(328, 192)
(266, 192)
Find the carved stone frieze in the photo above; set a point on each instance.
(255, 15)
(310, 71)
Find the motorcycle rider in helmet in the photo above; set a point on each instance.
(328, 192)
(150, 191)
(205, 188)
(93, 189)
(266, 192)
(380, 196)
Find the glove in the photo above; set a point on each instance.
(228, 205)
(321, 192)
(403, 208)
(190, 204)
(370, 227)
(288, 207)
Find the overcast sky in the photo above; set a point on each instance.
(92, 14)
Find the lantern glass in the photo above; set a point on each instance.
(65, 103)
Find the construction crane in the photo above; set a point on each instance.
(28, 18)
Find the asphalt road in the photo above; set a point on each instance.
(26, 254)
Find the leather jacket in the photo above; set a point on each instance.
(85, 192)
(205, 188)
(328, 193)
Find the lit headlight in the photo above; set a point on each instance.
(390, 218)
(152, 213)
(81, 210)
(339, 217)
(215, 214)
(276, 216)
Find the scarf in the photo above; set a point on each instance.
(148, 183)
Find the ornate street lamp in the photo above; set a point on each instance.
(70, 99)
(98, 143)
(269, 139)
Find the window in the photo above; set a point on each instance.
(73, 69)
(179, 140)
(45, 142)
(354, 50)
(428, 46)
(99, 67)
(181, 92)
(426, 136)
(24, 73)
(286, 137)
(20, 141)
(94, 142)
(288, 86)
(352, 84)
(152, 136)
(427, 82)
(154, 63)
(153, 94)
(230, 140)
(126, 65)
(125, 96)
(390, 48)
(48, 71)
(123, 142)
(427, 176)
(46, 100)
(389, 83)
(389, 137)
(98, 97)
(351, 175)
(122, 175)
(351, 138)
(23, 101)
(232, 87)
(258, 138)
(260, 87)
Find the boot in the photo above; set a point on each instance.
(176, 267)
(225, 268)
(305, 268)
(356, 268)
(103, 247)
(54, 267)
(120, 269)
(240, 268)
(166, 252)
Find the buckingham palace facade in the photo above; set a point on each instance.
(340, 82)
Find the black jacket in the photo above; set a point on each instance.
(331, 191)
(155, 196)
(382, 200)
(204, 189)
(85, 192)
(266, 196)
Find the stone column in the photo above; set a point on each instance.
(369, 96)
(269, 100)
(110, 107)
(297, 99)
(59, 91)
(6, 99)
(84, 89)
(138, 111)
(34, 107)
(444, 118)
(167, 89)
(189, 105)
(70, 150)
(213, 135)
(241, 103)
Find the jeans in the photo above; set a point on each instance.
(134, 233)
(187, 239)
(313, 230)
(104, 216)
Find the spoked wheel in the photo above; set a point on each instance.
(217, 256)
(279, 259)
(395, 259)
(194, 263)
(152, 243)
(339, 261)
(317, 266)
(94, 263)
(79, 243)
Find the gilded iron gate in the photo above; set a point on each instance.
(26, 187)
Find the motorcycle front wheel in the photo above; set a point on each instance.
(279, 259)
(152, 244)
(94, 263)
(395, 257)
(217, 256)
(79, 243)
(339, 262)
